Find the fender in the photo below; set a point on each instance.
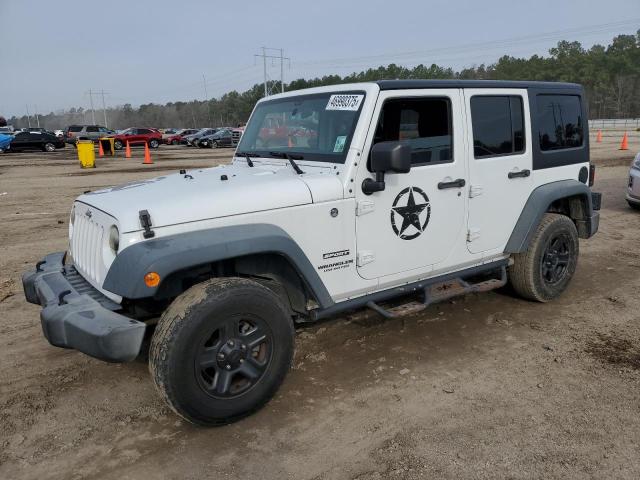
(166, 255)
(538, 204)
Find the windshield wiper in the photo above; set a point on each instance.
(248, 156)
(291, 158)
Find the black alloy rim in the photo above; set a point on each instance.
(234, 357)
(555, 259)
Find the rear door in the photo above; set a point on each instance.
(416, 222)
(500, 165)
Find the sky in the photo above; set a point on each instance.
(53, 52)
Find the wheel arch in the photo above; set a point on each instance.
(568, 197)
(261, 251)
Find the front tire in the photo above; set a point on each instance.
(221, 350)
(175, 142)
(49, 147)
(544, 271)
(118, 145)
(634, 205)
(214, 144)
(154, 143)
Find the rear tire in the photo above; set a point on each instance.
(214, 144)
(221, 350)
(175, 142)
(635, 206)
(154, 143)
(117, 145)
(49, 147)
(544, 271)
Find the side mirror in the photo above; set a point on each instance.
(387, 157)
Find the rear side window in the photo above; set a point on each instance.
(560, 122)
(423, 123)
(75, 128)
(498, 125)
(143, 131)
(92, 129)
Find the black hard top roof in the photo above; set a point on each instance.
(416, 84)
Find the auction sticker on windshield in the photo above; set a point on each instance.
(344, 102)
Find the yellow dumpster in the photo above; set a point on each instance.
(108, 145)
(86, 154)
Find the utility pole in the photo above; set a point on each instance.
(28, 116)
(104, 108)
(93, 113)
(280, 57)
(206, 99)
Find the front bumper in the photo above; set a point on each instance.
(75, 315)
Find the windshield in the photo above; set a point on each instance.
(315, 127)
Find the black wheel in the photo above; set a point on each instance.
(543, 272)
(635, 206)
(175, 142)
(221, 350)
(118, 145)
(153, 143)
(203, 144)
(214, 144)
(49, 147)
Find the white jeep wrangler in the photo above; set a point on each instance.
(337, 198)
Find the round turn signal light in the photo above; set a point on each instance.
(152, 279)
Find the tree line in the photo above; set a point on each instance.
(610, 75)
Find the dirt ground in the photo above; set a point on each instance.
(484, 386)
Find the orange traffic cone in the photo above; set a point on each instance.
(100, 150)
(147, 155)
(625, 142)
(599, 137)
(127, 151)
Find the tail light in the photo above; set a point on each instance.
(592, 175)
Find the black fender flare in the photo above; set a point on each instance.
(166, 255)
(538, 204)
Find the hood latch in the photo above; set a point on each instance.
(145, 222)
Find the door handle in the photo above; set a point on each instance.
(520, 174)
(459, 183)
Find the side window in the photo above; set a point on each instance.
(498, 125)
(423, 123)
(92, 129)
(560, 122)
(143, 131)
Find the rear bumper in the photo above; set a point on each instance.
(75, 315)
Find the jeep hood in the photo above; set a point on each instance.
(206, 194)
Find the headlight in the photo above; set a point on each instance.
(114, 239)
(636, 162)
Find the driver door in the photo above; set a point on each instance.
(417, 221)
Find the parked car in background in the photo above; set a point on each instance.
(192, 140)
(167, 132)
(633, 186)
(176, 138)
(236, 135)
(137, 136)
(5, 141)
(44, 141)
(73, 133)
(222, 138)
(7, 130)
(59, 133)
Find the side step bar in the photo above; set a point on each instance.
(440, 292)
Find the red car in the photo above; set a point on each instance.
(136, 136)
(176, 139)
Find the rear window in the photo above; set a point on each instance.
(498, 125)
(75, 128)
(560, 122)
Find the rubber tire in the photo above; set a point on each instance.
(50, 149)
(175, 142)
(180, 329)
(525, 274)
(214, 144)
(635, 206)
(118, 145)
(153, 143)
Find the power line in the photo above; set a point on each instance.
(268, 90)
